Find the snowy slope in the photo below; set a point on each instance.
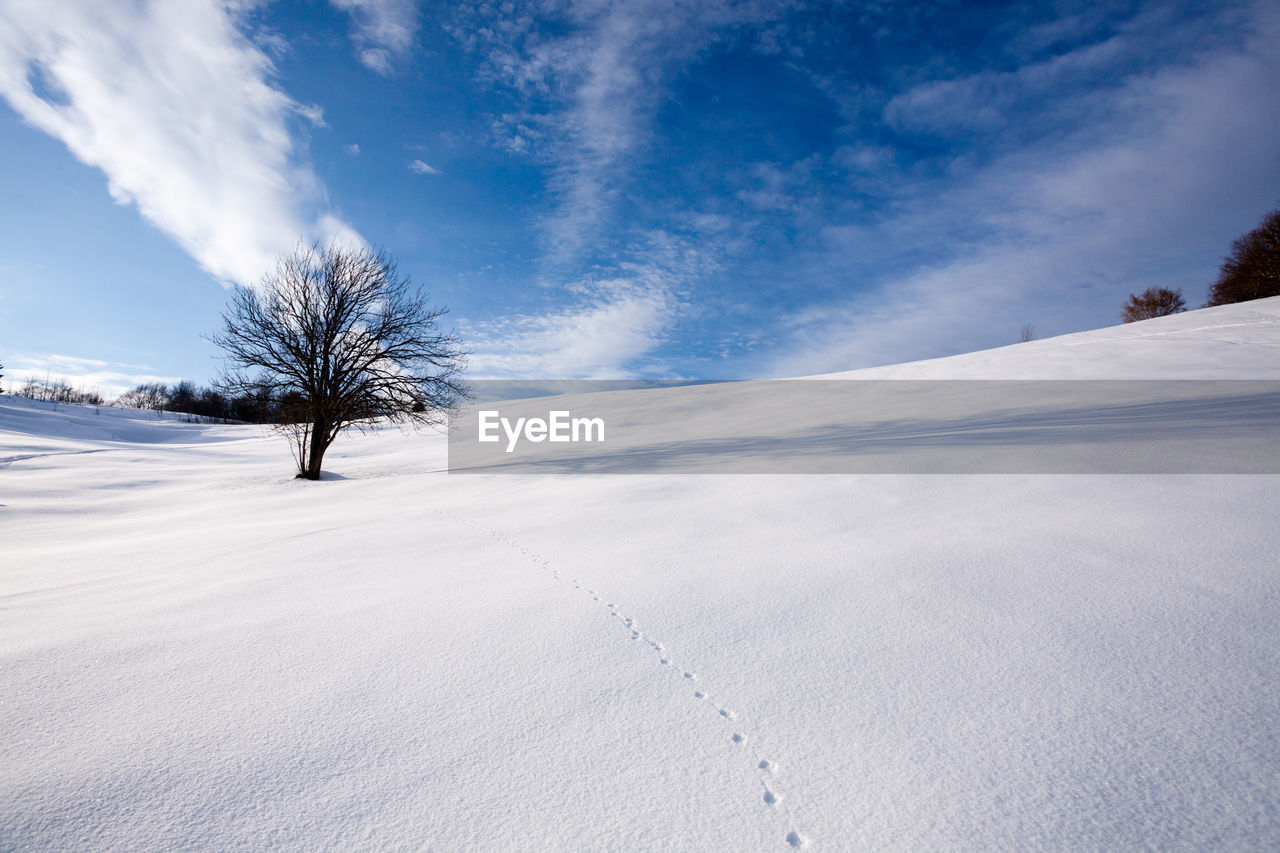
(198, 652)
(1227, 342)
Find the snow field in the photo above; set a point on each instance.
(199, 652)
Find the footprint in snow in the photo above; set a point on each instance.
(793, 838)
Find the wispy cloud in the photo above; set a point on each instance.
(612, 324)
(179, 110)
(986, 99)
(590, 75)
(600, 337)
(110, 379)
(383, 30)
(420, 167)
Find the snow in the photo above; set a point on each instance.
(199, 652)
(1239, 341)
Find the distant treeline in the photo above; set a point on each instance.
(56, 391)
(259, 407)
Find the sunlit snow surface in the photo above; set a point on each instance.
(199, 652)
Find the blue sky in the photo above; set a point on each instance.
(626, 189)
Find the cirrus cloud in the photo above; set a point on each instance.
(383, 30)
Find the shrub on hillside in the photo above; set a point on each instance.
(1153, 302)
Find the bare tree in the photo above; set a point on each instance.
(339, 338)
(153, 396)
(1252, 270)
(1153, 302)
(1028, 333)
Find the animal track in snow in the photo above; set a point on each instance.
(766, 767)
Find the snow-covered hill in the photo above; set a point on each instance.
(1227, 342)
(199, 652)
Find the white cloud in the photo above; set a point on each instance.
(110, 379)
(179, 111)
(418, 167)
(614, 323)
(383, 30)
(353, 149)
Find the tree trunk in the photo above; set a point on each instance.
(315, 453)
